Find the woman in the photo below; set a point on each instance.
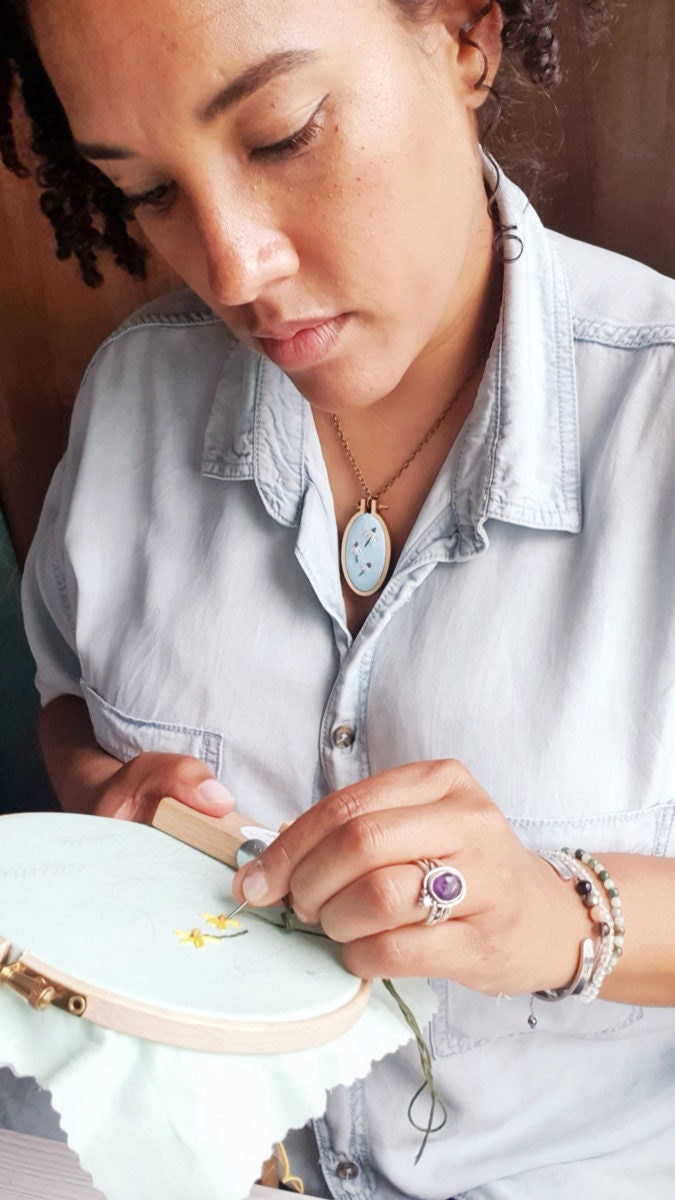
(381, 321)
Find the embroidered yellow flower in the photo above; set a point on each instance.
(221, 921)
(194, 937)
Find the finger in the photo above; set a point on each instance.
(141, 784)
(445, 951)
(269, 877)
(190, 782)
(208, 796)
(381, 839)
(383, 900)
(123, 807)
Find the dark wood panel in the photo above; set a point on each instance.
(607, 135)
(50, 324)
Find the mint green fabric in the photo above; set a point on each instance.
(154, 1121)
(23, 782)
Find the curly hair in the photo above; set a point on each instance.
(90, 215)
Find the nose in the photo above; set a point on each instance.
(245, 253)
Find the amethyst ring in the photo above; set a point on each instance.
(443, 887)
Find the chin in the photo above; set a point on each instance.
(345, 387)
(348, 398)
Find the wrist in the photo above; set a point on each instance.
(78, 768)
(601, 949)
(84, 779)
(568, 927)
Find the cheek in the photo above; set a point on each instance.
(379, 215)
(176, 242)
(403, 173)
(353, 207)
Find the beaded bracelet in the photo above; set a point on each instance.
(612, 895)
(595, 963)
(602, 914)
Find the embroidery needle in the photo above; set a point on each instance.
(248, 850)
(246, 853)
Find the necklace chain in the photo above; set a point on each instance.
(425, 440)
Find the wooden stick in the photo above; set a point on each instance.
(219, 837)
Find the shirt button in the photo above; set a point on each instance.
(347, 1170)
(343, 737)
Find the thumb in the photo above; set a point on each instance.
(137, 788)
(191, 783)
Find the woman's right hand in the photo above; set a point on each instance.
(87, 780)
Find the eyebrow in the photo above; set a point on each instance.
(254, 78)
(250, 80)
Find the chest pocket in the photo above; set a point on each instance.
(125, 736)
(466, 1020)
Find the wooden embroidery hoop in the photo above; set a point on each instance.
(302, 964)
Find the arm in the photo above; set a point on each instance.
(646, 972)
(87, 780)
(351, 863)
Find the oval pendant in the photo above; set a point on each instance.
(366, 551)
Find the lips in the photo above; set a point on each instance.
(282, 331)
(296, 344)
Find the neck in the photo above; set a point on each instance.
(382, 435)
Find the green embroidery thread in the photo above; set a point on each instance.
(427, 1070)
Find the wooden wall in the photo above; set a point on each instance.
(607, 137)
(50, 324)
(607, 134)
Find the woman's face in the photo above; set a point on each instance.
(309, 168)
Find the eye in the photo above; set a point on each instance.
(291, 145)
(161, 198)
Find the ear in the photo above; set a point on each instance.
(476, 29)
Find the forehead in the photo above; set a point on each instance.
(102, 40)
(103, 29)
(124, 69)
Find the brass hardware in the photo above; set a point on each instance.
(40, 992)
(32, 988)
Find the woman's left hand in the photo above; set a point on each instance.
(350, 862)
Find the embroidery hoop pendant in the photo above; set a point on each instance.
(365, 550)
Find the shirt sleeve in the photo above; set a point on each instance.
(47, 608)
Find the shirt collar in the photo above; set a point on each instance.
(517, 458)
(257, 430)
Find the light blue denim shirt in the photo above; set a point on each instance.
(185, 582)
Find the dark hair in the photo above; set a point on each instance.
(89, 214)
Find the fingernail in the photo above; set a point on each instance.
(216, 796)
(254, 883)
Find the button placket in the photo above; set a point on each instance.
(343, 1146)
(341, 731)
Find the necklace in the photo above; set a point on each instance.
(365, 550)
